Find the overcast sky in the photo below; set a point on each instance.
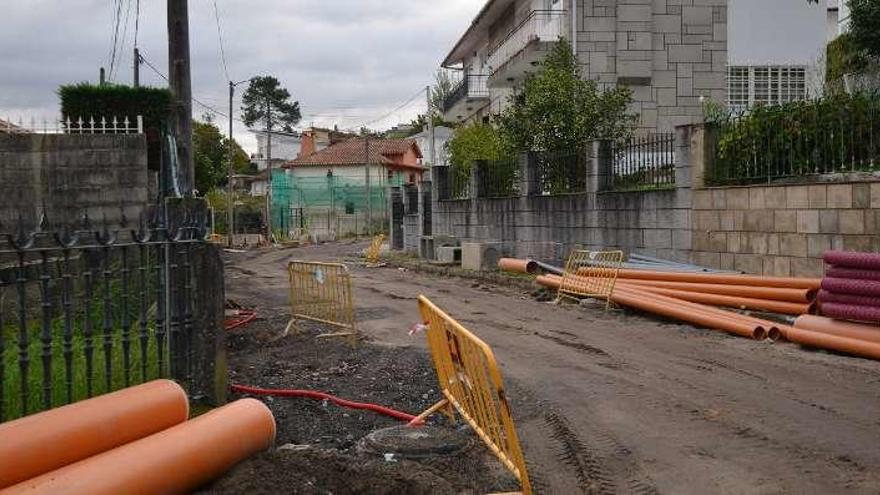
(346, 61)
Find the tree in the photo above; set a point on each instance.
(442, 88)
(210, 156)
(556, 109)
(864, 25)
(267, 105)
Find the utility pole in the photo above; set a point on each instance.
(230, 202)
(368, 183)
(102, 76)
(268, 169)
(181, 89)
(137, 67)
(430, 126)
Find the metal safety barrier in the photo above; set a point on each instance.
(591, 274)
(375, 249)
(322, 292)
(472, 385)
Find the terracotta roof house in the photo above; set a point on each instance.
(392, 161)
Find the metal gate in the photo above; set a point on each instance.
(86, 310)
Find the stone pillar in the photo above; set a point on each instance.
(440, 182)
(700, 151)
(529, 183)
(479, 178)
(210, 372)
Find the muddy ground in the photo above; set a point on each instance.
(618, 402)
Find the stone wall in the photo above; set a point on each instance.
(783, 230)
(773, 230)
(669, 52)
(66, 175)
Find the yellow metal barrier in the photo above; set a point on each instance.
(591, 274)
(375, 249)
(322, 292)
(471, 384)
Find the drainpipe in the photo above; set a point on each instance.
(574, 28)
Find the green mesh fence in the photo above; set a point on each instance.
(331, 205)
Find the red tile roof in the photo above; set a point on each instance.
(352, 152)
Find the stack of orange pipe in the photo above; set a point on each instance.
(690, 297)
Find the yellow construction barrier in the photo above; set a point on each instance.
(372, 253)
(471, 384)
(322, 292)
(591, 274)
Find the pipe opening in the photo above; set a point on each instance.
(759, 333)
(775, 334)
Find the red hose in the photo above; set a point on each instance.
(311, 394)
(243, 318)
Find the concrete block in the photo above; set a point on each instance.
(793, 244)
(634, 13)
(697, 15)
(861, 195)
(481, 255)
(708, 220)
(860, 243)
(757, 221)
(818, 196)
(840, 196)
(709, 260)
(875, 195)
(667, 23)
(734, 242)
(686, 53)
(829, 221)
(818, 244)
(756, 198)
(777, 266)
(749, 263)
(738, 198)
(757, 242)
(702, 200)
(852, 221)
(797, 197)
(449, 254)
(808, 221)
(807, 267)
(785, 221)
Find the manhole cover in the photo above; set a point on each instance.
(416, 443)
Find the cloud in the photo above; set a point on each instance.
(345, 61)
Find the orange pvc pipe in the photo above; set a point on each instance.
(821, 324)
(517, 265)
(43, 442)
(772, 293)
(177, 460)
(857, 347)
(719, 278)
(682, 310)
(782, 307)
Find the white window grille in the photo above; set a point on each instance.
(748, 86)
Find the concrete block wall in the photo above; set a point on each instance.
(669, 52)
(68, 175)
(778, 230)
(783, 230)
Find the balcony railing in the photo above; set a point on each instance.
(470, 86)
(540, 25)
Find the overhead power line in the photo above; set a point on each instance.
(117, 19)
(401, 107)
(220, 39)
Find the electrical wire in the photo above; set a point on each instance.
(117, 20)
(220, 38)
(402, 106)
(194, 99)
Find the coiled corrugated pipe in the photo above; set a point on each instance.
(836, 297)
(848, 259)
(855, 287)
(856, 273)
(851, 312)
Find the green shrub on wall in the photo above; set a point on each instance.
(843, 57)
(86, 100)
(836, 134)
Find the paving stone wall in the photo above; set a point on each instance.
(669, 52)
(67, 175)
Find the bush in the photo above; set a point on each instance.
(86, 100)
(837, 133)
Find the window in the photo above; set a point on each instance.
(764, 85)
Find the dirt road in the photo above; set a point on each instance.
(614, 402)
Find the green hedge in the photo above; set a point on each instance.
(86, 100)
(839, 133)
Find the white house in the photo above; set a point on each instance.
(672, 54)
(442, 135)
(285, 147)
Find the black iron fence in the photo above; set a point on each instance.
(642, 163)
(835, 134)
(498, 178)
(459, 182)
(560, 172)
(88, 310)
(470, 86)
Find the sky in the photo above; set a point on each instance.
(347, 62)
